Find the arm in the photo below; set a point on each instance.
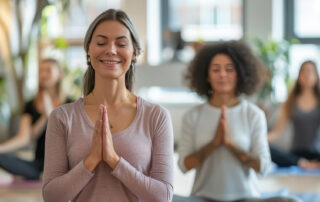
(158, 186)
(188, 157)
(259, 141)
(247, 158)
(59, 182)
(279, 127)
(196, 159)
(258, 157)
(38, 127)
(40, 124)
(21, 139)
(250, 159)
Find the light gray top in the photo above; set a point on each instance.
(222, 176)
(145, 170)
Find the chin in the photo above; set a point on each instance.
(110, 75)
(225, 92)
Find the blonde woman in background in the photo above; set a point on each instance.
(33, 123)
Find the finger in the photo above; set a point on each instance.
(101, 107)
(107, 124)
(99, 115)
(223, 111)
(105, 120)
(97, 122)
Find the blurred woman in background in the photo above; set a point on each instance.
(225, 139)
(302, 108)
(33, 123)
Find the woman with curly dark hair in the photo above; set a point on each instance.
(225, 139)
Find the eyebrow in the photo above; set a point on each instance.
(118, 38)
(217, 64)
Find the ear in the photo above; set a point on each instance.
(133, 57)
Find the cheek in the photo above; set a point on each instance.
(235, 79)
(95, 51)
(313, 79)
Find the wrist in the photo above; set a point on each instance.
(214, 144)
(90, 163)
(113, 162)
(230, 145)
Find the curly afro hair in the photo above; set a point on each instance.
(247, 66)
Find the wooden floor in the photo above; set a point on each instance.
(20, 195)
(17, 193)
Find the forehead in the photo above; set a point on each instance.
(110, 29)
(221, 58)
(47, 65)
(308, 66)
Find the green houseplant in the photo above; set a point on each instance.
(275, 55)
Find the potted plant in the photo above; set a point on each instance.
(275, 56)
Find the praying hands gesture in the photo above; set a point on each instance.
(102, 145)
(222, 138)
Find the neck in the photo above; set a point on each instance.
(110, 93)
(218, 100)
(51, 91)
(307, 91)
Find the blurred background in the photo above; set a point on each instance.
(283, 33)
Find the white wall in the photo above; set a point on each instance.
(258, 18)
(137, 11)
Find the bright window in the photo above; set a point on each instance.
(307, 18)
(207, 20)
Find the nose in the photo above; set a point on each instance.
(223, 72)
(111, 49)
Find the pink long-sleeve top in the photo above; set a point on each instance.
(145, 169)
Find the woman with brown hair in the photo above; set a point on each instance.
(110, 145)
(225, 139)
(33, 123)
(302, 108)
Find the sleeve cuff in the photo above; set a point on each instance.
(84, 170)
(118, 169)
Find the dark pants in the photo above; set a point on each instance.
(287, 158)
(16, 166)
(177, 198)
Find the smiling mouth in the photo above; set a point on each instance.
(108, 62)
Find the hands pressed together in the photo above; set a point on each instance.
(102, 149)
(222, 136)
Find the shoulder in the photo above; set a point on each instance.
(68, 100)
(154, 110)
(157, 118)
(29, 104)
(193, 113)
(67, 110)
(252, 110)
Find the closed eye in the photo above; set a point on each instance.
(122, 45)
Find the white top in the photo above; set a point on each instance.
(222, 176)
